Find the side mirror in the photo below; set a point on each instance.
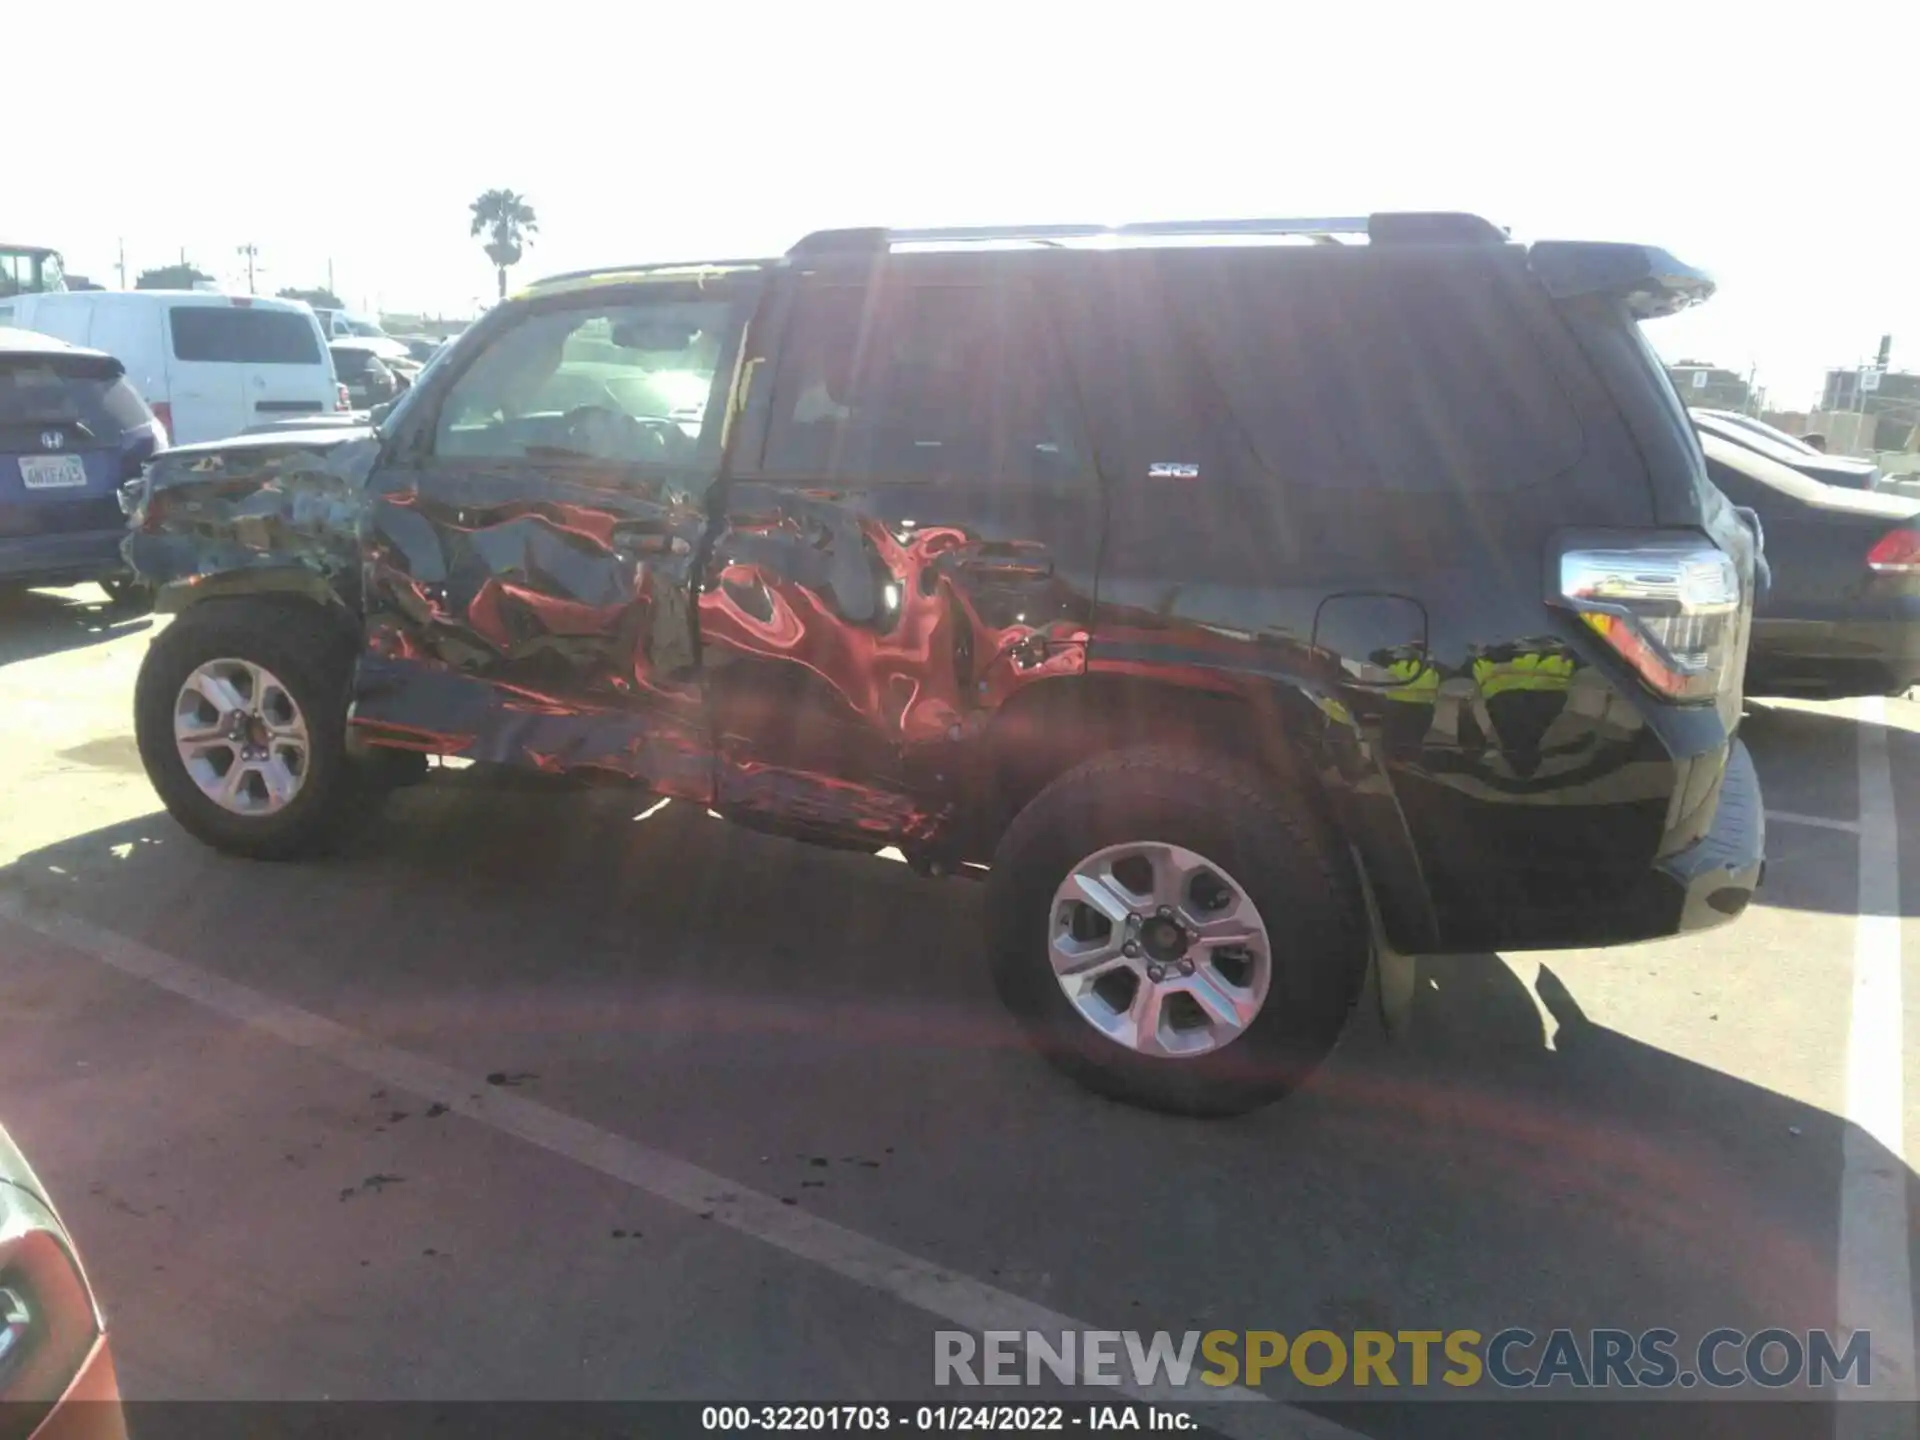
(379, 413)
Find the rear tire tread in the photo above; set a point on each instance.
(1301, 865)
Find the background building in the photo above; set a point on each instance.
(1710, 387)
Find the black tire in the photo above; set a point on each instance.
(1282, 852)
(313, 657)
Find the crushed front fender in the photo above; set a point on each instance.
(273, 513)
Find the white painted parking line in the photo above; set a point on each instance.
(1820, 822)
(1875, 1277)
(959, 1300)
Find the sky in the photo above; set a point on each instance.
(1776, 153)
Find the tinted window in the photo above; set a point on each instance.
(88, 392)
(243, 335)
(349, 363)
(1374, 371)
(934, 384)
(628, 383)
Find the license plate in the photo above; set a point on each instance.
(52, 472)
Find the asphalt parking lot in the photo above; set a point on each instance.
(533, 1095)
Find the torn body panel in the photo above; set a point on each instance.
(856, 655)
(269, 514)
(545, 624)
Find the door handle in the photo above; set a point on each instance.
(648, 538)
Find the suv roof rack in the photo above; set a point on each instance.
(1432, 227)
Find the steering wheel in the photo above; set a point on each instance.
(610, 434)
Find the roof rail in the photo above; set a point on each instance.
(1431, 227)
(650, 267)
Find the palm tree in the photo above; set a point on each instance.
(507, 219)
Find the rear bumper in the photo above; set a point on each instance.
(61, 558)
(1712, 880)
(1583, 894)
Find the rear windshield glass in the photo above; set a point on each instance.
(243, 336)
(350, 362)
(1375, 375)
(38, 391)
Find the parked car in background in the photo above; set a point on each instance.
(345, 325)
(405, 371)
(1841, 616)
(854, 601)
(1761, 428)
(208, 364)
(345, 420)
(1842, 470)
(57, 1379)
(72, 431)
(368, 378)
(422, 347)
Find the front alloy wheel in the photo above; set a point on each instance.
(241, 736)
(241, 715)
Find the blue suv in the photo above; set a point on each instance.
(72, 431)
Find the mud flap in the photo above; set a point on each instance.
(1388, 989)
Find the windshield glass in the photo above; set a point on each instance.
(628, 382)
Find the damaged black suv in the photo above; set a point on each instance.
(1239, 600)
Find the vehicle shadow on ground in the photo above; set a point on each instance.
(34, 623)
(775, 1012)
(1808, 761)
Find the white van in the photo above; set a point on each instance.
(210, 365)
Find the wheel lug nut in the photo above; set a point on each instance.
(1186, 967)
(1156, 974)
(1130, 950)
(1166, 912)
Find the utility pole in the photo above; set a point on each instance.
(123, 264)
(252, 252)
(330, 289)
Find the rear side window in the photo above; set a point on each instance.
(242, 335)
(929, 384)
(1378, 373)
(350, 362)
(91, 393)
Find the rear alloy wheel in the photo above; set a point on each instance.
(1173, 931)
(1160, 950)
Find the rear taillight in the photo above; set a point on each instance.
(1896, 553)
(340, 400)
(163, 412)
(1671, 609)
